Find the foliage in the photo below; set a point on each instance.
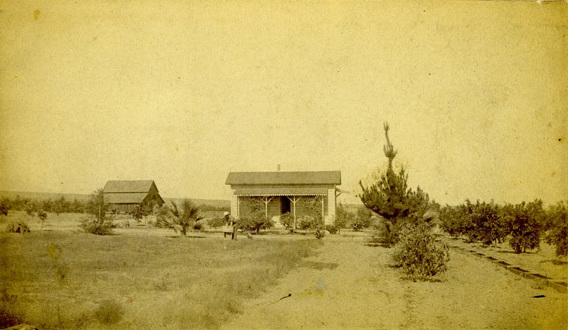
(287, 220)
(488, 223)
(30, 207)
(455, 220)
(142, 210)
(254, 218)
(216, 222)
(343, 217)
(42, 216)
(309, 222)
(5, 206)
(390, 197)
(17, 226)
(332, 229)
(558, 232)
(526, 221)
(178, 217)
(319, 234)
(60, 205)
(418, 253)
(363, 219)
(97, 222)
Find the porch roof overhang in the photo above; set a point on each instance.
(281, 191)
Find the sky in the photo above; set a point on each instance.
(183, 92)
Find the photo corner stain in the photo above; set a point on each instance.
(36, 14)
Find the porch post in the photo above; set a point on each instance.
(330, 219)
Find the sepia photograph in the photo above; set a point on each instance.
(283, 164)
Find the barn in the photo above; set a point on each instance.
(123, 196)
(284, 192)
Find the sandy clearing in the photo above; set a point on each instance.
(349, 285)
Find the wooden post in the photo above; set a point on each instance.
(294, 199)
(266, 200)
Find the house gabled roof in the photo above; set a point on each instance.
(284, 178)
(128, 186)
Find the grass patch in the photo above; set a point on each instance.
(54, 279)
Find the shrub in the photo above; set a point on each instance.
(319, 234)
(109, 312)
(197, 226)
(558, 233)
(287, 220)
(17, 226)
(309, 222)
(254, 224)
(363, 219)
(418, 253)
(216, 222)
(331, 228)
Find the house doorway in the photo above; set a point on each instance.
(284, 205)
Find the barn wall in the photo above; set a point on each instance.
(122, 208)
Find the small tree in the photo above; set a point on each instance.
(5, 206)
(60, 205)
(558, 232)
(363, 219)
(526, 221)
(97, 222)
(342, 218)
(255, 217)
(455, 220)
(31, 207)
(142, 210)
(42, 216)
(488, 223)
(182, 217)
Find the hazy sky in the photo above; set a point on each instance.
(182, 92)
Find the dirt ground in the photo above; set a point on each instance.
(350, 285)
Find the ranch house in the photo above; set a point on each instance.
(123, 196)
(284, 192)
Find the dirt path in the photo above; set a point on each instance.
(349, 285)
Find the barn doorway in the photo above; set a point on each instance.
(284, 205)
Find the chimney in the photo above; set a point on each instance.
(278, 168)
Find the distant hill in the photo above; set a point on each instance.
(221, 203)
(85, 197)
(43, 196)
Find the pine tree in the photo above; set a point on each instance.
(390, 196)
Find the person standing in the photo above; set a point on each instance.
(230, 226)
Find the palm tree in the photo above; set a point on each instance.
(179, 217)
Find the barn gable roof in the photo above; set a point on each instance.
(128, 186)
(125, 198)
(284, 178)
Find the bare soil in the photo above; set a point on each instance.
(349, 285)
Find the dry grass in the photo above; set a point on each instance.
(58, 279)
